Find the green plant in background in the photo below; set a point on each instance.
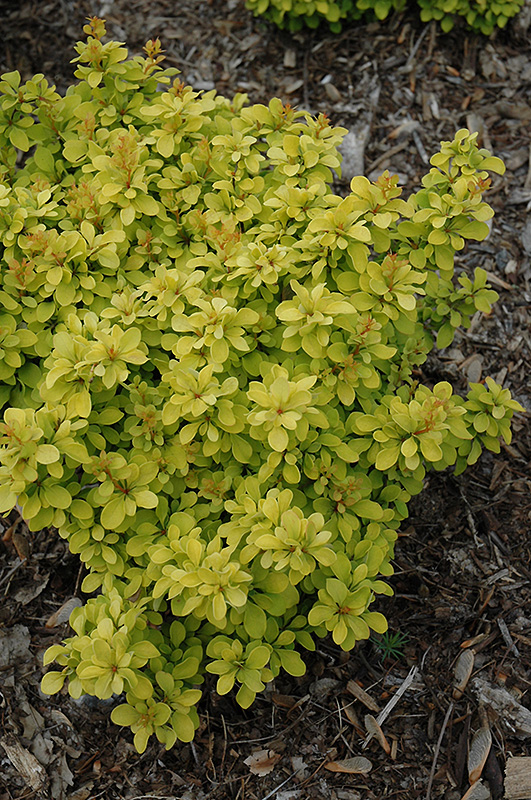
(480, 15)
(208, 376)
(483, 16)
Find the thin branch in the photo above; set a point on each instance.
(507, 637)
(384, 713)
(415, 48)
(6, 577)
(392, 151)
(280, 785)
(437, 749)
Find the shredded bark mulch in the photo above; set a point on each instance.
(457, 662)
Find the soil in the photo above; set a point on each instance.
(463, 561)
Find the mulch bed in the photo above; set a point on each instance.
(463, 559)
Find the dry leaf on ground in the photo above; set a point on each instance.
(31, 590)
(462, 672)
(353, 718)
(478, 753)
(14, 645)
(478, 791)
(63, 613)
(373, 729)
(358, 765)
(262, 762)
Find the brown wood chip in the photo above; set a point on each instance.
(283, 700)
(290, 58)
(25, 763)
(361, 695)
(518, 778)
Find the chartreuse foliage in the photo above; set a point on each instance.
(480, 15)
(207, 373)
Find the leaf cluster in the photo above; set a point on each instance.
(483, 16)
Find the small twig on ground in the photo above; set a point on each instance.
(408, 65)
(437, 749)
(283, 732)
(78, 579)
(305, 782)
(6, 577)
(507, 638)
(151, 797)
(225, 742)
(527, 182)
(424, 656)
(194, 753)
(306, 93)
(420, 147)
(469, 516)
(388, 153)
(386, 710)
(280, 785)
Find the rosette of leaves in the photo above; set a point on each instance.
(208, 378)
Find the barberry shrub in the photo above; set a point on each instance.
(483, 16)
(210, 373)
